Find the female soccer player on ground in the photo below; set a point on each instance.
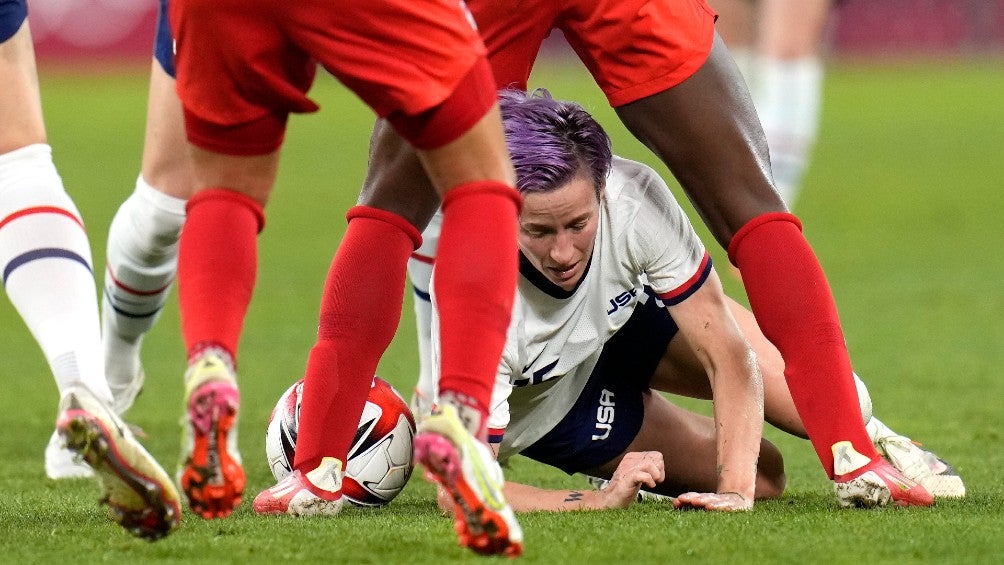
(617, 301)
(242, 68)
(674, 85)
(45, 258)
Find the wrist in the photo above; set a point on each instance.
(744, 489)
(739, 494)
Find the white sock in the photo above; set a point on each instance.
(788, 99)
(420, 273)
(142, 262)
(864, 398)
(875, 428)
(45, 258)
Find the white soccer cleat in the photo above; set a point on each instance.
(316, 493)
(138, 492)
(643, 495)
(421, 405)
(125, 396)
(863, 483)
(467, 469)
(922, 466)
(62, 463)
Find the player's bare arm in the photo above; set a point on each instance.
(737, 388)
(635, 471)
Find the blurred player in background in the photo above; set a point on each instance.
(46, 259)
(778, 47)
(242, 68)
(673, 83)
(617, 301)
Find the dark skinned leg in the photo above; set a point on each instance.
(706, 131)
(396, 181)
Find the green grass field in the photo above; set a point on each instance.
(903, 204)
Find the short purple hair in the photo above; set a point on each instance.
(551, 141)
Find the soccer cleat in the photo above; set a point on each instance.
(924, 467)
(466, 468)
(210, 471)
(124, 397)
(421, 405)
(643, 495)
(138, 492)
(316, 493)
(61, 463)
(863, 483)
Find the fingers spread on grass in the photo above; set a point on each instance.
(713, 501)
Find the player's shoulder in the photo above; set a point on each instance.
(634, 180)
(635, 188)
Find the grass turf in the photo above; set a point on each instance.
(902, 203)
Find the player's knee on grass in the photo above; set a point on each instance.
(770, 477)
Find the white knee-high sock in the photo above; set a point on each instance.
(877, 430)
(142, 262)
(788, 99)
(864, 399)
(420, 273)
(45, 258)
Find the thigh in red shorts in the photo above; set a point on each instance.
(633, 48)
(244, 65)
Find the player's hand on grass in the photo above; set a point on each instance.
(636, 470)
(714, 501)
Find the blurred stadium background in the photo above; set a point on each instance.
(92, 33)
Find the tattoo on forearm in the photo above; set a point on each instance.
(574, 496)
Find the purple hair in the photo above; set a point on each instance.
(551, 141)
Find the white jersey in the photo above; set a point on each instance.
(643, 239)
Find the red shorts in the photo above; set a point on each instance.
(244, 65)
(633, 48)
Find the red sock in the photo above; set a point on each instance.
(360, 312)
(793, 304)
(475, 284)
(217, 267)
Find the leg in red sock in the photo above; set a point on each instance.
(475, 284)
(792, 302)
(217, 265)
(360, 311)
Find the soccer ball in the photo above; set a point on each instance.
(380, 458)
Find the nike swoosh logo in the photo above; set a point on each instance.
(539, 374)
(530, 364)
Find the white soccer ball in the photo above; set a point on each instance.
(381, 457)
